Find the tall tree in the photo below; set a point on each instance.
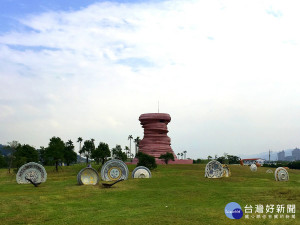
(178, 154)
(118, 153)
(221, 159)
(12, 146)
(232, 159)
(87, 149)
(137, 142)
(127, 150)
(24, 154)
(167, 157)
(3, 162)
(101, 153)
(55, 151)
(130, 138)
(70, 155)
(43, 156)
(79, 140)
(184, 154)
(181, 155)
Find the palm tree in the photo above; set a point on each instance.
(137, 142)
(209, 158)
(184, 154)
(79, 140)
(181, 155)
(127, 151)
(178, 155)
(93, 140)
(130, 138)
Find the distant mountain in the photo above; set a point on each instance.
(265, 155)
(81, 159)
(4, 151)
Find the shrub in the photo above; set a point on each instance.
(146, 160)
(294, 165)
(167, 157)
(197, 161)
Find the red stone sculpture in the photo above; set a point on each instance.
(156, 140)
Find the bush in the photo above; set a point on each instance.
(3, 161)
(167, 157)
(294, 165)
(197, 161)
(146, 160)
(291, 165)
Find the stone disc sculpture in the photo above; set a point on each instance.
(253, 168)
(88, 176)
(33, 171)
(226, 171)
(141, 172)
(113, 170)
(214, 169)
(281, 174)
(269, 171)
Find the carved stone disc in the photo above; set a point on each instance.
(281, 174)
(141, 172)
(33, 171)
(253, 168)
(114, 170)
(226, 171)
(88, 176)
(214, 169)
(269, 171)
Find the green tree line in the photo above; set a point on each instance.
(58, 152)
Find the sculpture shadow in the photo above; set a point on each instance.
(35, 184)
(106, 185)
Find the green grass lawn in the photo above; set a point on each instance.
(176, 194)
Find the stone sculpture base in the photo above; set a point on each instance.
(160, 161)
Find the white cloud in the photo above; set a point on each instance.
(227, 72)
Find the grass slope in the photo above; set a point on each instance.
(176, 194)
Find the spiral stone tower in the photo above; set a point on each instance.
(156, 140)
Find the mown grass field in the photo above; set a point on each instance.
(176, 194)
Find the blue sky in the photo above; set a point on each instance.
(226, 71)
(13, 10)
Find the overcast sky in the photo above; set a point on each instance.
(228, 72)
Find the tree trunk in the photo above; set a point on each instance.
(56, 166)
(130, 146)
(10, 163)
(87, 160)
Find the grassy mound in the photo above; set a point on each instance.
(176, 194)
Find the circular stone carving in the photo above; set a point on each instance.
(269, 171)
(214, 169)
(226, 171)
(88, 176)
(281, 174)
(141, 172)
(253, 168)
(113, 170)
(32, 171)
